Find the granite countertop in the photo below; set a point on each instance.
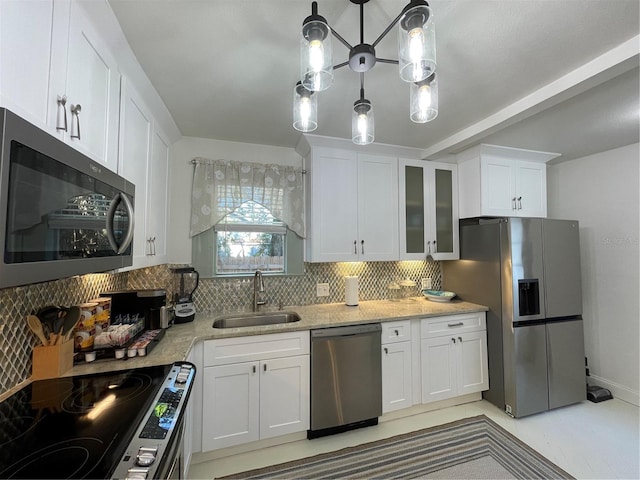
(179, 339)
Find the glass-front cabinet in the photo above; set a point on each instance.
(428, 210)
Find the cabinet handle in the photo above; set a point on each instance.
(253, 369)
(460, 339)
(61, 119)
(153, 246)
(513, 203)
(264, 367)
(386, 351)
(459, 324)
(362, 246)
(453, 340)
(435, 250)
(75, 121)
(355, 247)
(519, 203)
(397, 333)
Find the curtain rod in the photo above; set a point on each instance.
(205, 161)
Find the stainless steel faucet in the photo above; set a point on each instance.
(258, 288)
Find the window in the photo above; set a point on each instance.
(246, 217)
(250, 239)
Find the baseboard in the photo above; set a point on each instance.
(618, 391)
(428, 407)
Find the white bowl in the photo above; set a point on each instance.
(438, 295)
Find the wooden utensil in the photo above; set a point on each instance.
(36, 327)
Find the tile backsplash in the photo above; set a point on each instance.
(213, 296)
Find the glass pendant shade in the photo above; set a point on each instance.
(305, 109)
(362, 123)
(316, 59)
(416, 43)
(424, 100)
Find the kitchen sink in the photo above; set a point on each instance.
(255, 319)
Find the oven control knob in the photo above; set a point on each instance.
(146, 456)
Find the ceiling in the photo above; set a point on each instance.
(552, 75)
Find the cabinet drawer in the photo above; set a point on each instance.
(256, 347)
(393, 332)
(436, 326)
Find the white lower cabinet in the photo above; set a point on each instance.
(263, 397)
(396, 366)
(453, 356)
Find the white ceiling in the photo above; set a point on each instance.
(551, 75)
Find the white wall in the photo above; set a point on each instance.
(181, 175)
(601, 192)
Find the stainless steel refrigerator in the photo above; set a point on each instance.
(527, 271)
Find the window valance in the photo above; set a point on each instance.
(221, 186)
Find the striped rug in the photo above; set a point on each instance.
(472, 448)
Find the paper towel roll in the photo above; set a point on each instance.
(351, 290)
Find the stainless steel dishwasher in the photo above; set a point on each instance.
(346, 378)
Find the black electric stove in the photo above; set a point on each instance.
(86, 426)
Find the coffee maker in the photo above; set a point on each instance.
(131, 306)
(185, 283)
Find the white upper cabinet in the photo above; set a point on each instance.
(92, 90)
(58, 74)
(503, 182)
(135, 152)
(353, 205)
(428, 210)
(29, 33)
(144, 161)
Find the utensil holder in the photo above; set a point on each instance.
(52, 361)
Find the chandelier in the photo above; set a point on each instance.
(416, 63)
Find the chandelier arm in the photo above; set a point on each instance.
(342, 40)
(388, 29)
(340, 65)
(386, 60)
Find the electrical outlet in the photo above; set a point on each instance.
(426, 283)
(322, 289)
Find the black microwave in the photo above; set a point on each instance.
(62, 214)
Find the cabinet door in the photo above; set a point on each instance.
(396, 376)
(412, 211)
(30, 32)
(93, 82)
(377, 208)
(438, 362)
(498, 187)
(334, 206)
(157, 208)
(472, 369)
(135, 136)
(531, 189)
(230, 405)
(284, 396)
(442, 211)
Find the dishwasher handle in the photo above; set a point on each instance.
(346, 330)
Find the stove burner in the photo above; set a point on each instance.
(93, 391)
(22, 425)
(67, 459)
